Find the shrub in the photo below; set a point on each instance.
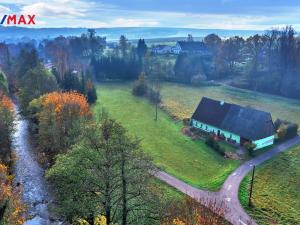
(281, 133)
(250, 148)
(285, 129)
(211, 142)
(140, 87)
(91, 92)
(198, 79)
(186, 121)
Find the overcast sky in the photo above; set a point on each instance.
(223, 14)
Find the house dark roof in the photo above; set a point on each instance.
(246, 122)
(192, 46)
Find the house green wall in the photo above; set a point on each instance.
(264, 142)
(209, 128)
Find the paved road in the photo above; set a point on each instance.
(229, 191)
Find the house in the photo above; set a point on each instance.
(162, 49)
(190, 47)
(234, 123)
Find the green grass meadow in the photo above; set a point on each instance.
(276, 190)
(190, 161)
(181, 100)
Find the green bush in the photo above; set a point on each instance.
(211, 142)
(140, 87)
(285, 129)
(186, 121)
(250, 148)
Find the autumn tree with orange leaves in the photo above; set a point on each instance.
(12, 210)
(191, 212)
(58, 117)
(6, 127)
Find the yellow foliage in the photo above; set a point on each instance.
(175, 109)
(14, 213)
(100, 220)
(80, 222)
(178, 222)
(59, 100)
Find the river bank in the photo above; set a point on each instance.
(30, 174)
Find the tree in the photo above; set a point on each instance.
(190, 38)
(59, 117)
(12, 209)
(91, 92)
(272, 37)
(27, 60)
(213, 43)
(141, 48)
(255, 46)
(190, 212)
(105, 174)
(3, 82)
(140, 87)
(141, 51)
(155, 97)
(5, 58)
(123, 44)
(7, 116)
(35, 82)
(71, 82)
(231, 52)
(187, 66)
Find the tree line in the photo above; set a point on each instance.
(267, 63)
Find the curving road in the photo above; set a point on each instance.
(230, 189)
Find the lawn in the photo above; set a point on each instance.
(181, 100)
(276, 192)
(190, 161)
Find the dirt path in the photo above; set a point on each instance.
(230, 189)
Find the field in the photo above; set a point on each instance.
(190, 161)
(276, 192)
(181, 100)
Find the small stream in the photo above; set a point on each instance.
(31, 176)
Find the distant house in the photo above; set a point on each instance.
(190, 47)
(234, 123)
(162, 49)
(48, 65)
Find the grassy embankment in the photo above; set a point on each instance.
(276, 191)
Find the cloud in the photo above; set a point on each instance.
(60, 8)
(123, 22)
(4, 9)
(101, 13)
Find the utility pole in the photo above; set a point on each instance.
(156, 106)
(251, 187)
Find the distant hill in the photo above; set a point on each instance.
(12, 34)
